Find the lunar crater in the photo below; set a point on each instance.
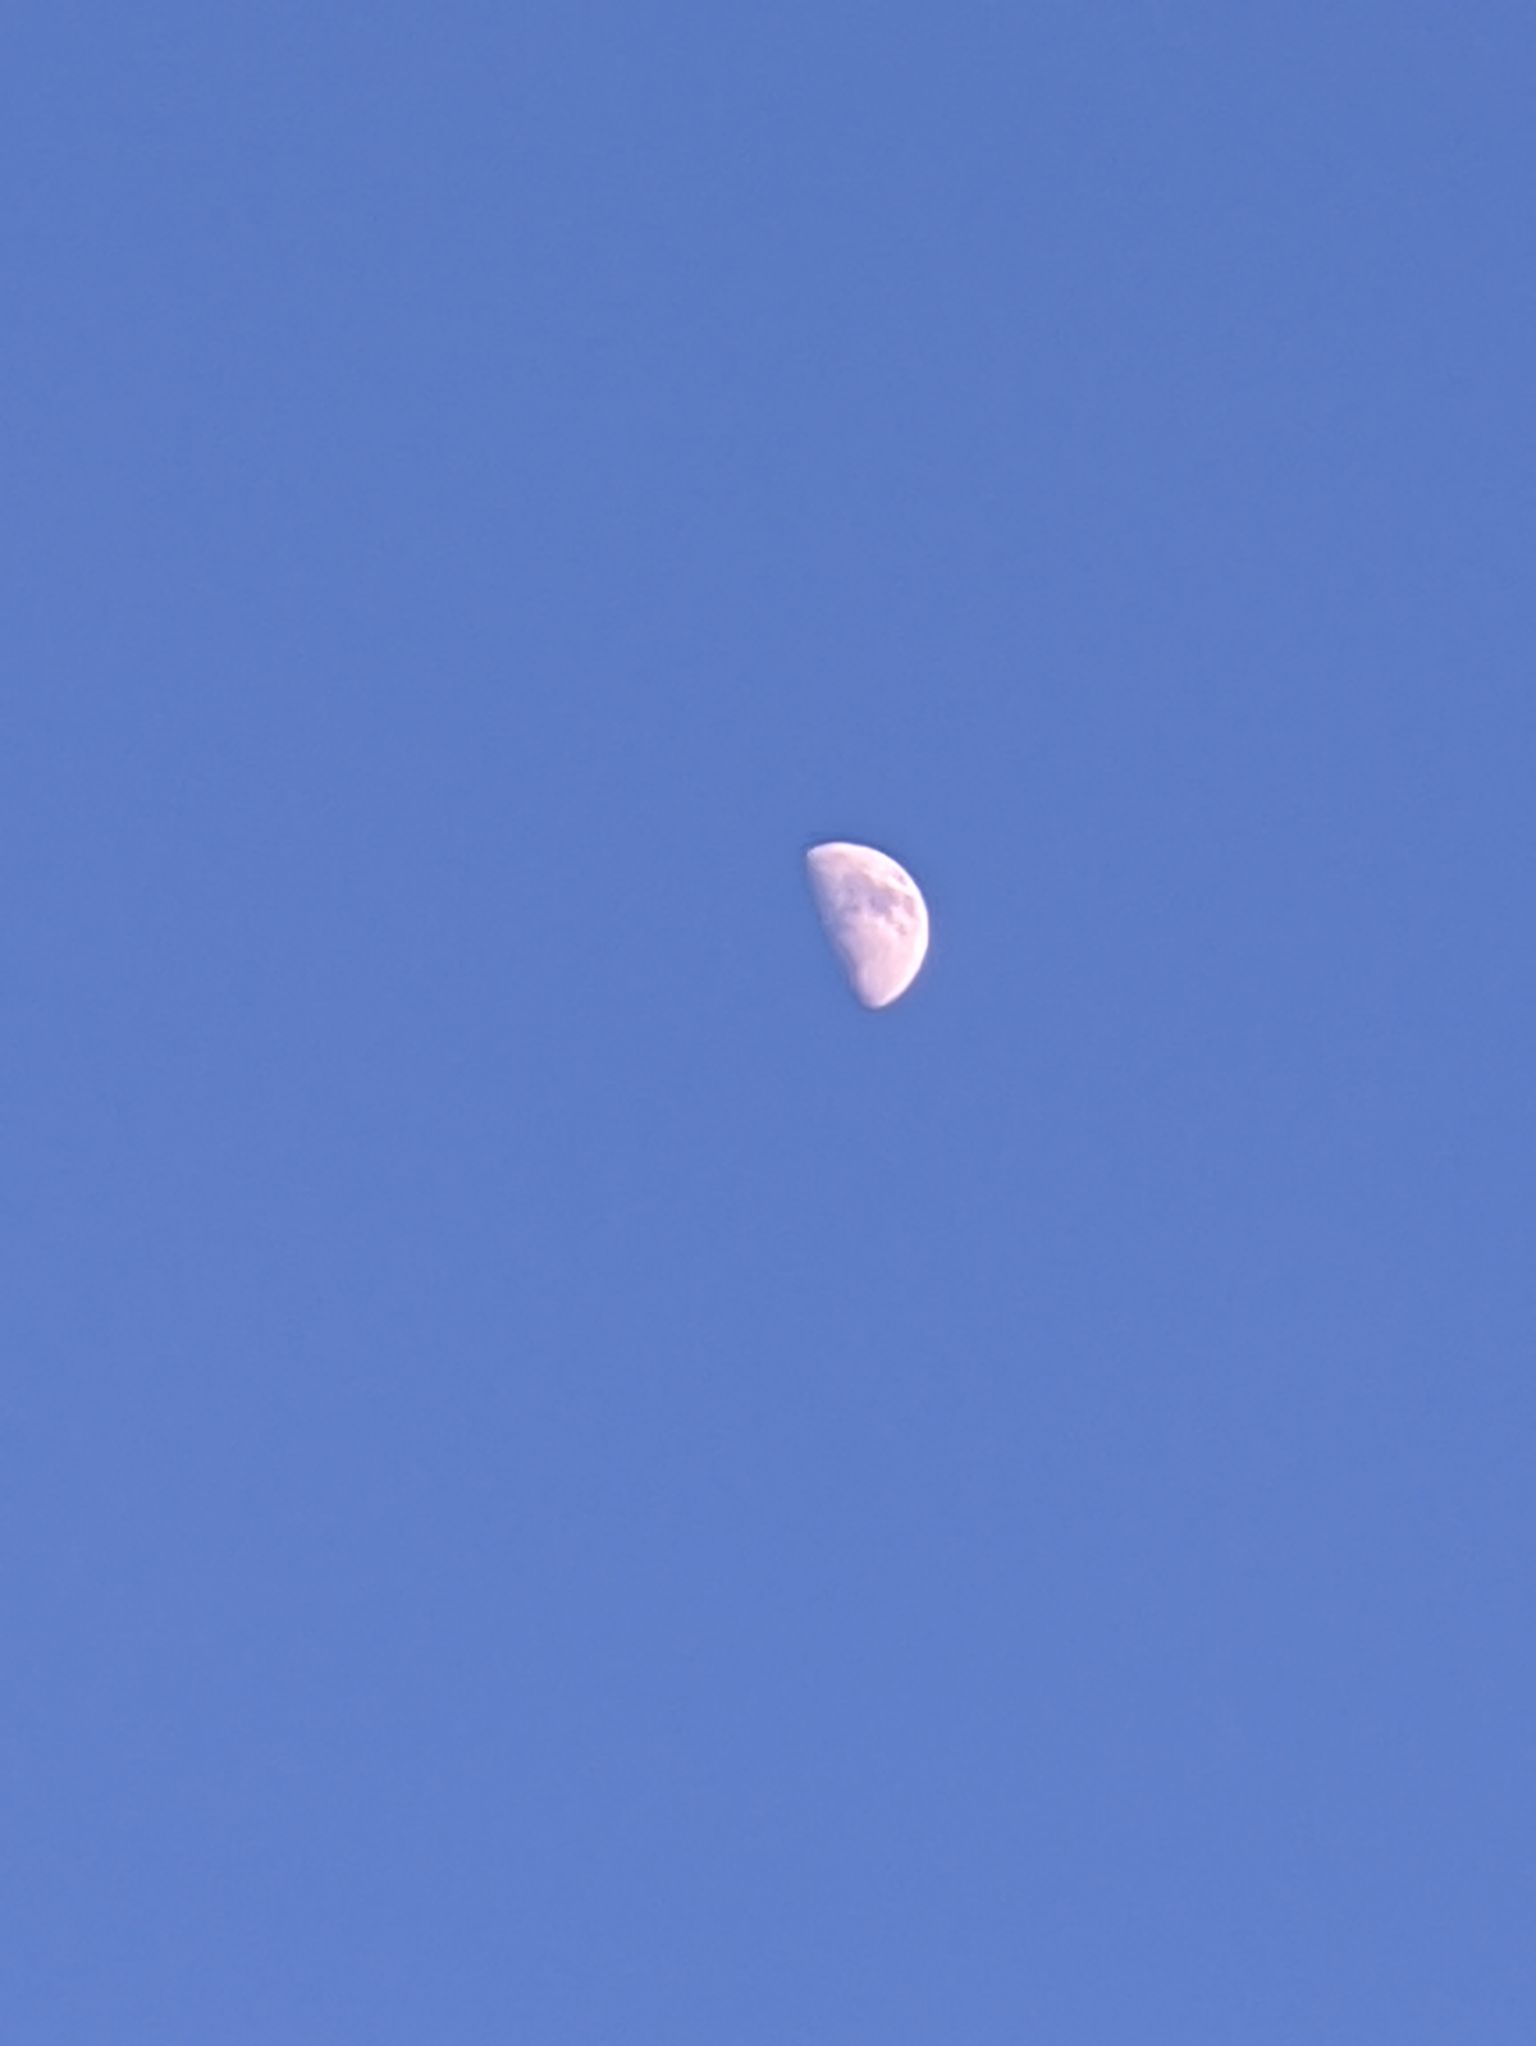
(874, 917)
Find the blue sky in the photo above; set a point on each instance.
(562, 1483)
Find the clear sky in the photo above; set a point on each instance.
(561, 1482)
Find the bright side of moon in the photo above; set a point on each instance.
(874, 916)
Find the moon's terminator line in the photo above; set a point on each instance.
(874, 916)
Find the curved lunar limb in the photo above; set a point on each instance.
(874, 916)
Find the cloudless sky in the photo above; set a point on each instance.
(559, 1482)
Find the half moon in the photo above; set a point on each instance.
(874, 916)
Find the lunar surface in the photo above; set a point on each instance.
(874, 917)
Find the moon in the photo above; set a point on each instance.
(874, 916)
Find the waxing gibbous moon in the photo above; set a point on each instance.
(874, 916)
